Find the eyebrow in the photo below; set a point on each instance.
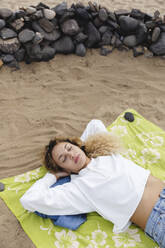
(61, 154)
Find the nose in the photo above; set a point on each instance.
(70, 154)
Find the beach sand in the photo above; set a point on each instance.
(61, 96)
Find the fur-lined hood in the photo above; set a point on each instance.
(102, 144)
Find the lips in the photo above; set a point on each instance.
(76, 159)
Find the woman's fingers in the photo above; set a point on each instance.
(60, 174)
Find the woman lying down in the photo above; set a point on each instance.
(102, 181)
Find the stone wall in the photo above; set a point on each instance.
(38, 33)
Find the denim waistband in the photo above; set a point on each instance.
(157, 210)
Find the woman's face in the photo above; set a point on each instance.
(69, 157)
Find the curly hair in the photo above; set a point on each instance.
(100, 144)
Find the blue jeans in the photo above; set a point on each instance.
(155, 227)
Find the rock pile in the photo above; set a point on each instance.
(38, 33)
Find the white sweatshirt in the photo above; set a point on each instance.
(110, 185)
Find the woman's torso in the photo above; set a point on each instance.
(114, 186)
(150, 196)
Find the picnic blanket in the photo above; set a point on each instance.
(145, 145)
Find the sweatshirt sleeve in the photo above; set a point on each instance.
(63, 199)
(94, 126)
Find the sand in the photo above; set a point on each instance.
(61, 96)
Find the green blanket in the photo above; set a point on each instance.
(144, 144)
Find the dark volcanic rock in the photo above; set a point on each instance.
(150, 24)
(28, 19)
(11, 18)
(80, 50)
(7, 33)
(122, 12)
(49, 14)
(5, 13)
(93, 15)
(61, 8)
(45, 43)
(46, 25)
(37, 33)
(9, 46)
(34, 52)
(38, 14)
(155, 34)
(97, 22)
(82, 13)
(129, 116)
(93, 6)
(118, 43)
(7, 58)
(103, 15)
(105, 51)
(30, 10)
(2, 187)
(106, 38)
(158, 48)
(112, 16)
(64, 45)
(70, 27)
(55, 23)
(141, 34)
(54, 35)
(156, 14)
(13, 64)
(2, 23)
(128, 25)
(130, 41)
(47, 53)
(19, 55)
(20, 13)
(137, 14)
(38, 38)
(103, 29)
(79, 5)
(81, 37)
(26, 35)
(66, 16)
(147, 18)
(162, 27)
(93, 35)
(113, 25)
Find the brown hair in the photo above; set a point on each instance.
(49, 162)
(100, 144)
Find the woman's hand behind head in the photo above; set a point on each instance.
(60, 174)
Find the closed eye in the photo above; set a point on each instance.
(64, 159)
(69, 148)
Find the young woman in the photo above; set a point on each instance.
(102, 181)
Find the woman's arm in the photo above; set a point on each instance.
(63, 199)
(94, 126)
